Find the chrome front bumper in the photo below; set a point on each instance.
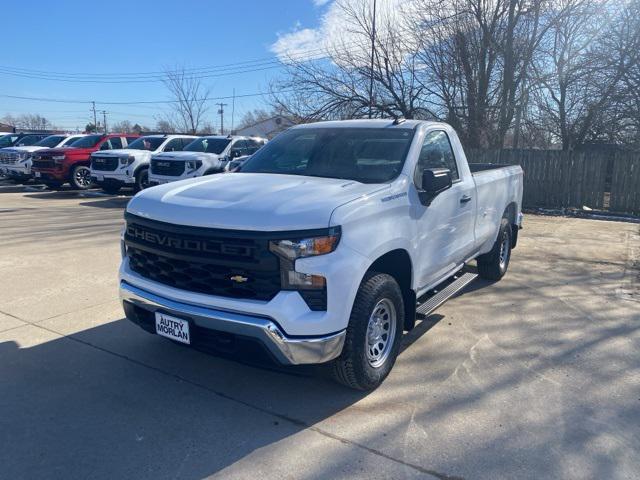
(288, 351)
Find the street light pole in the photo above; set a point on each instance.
(373, 46)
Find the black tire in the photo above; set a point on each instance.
(80, 178)
(494, 264)
(354, 367)
(110, 189)
(142, 180)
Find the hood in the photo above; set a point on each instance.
(31, 148)
(70, 151)
(122, 152)
(185, 155)
(249, 201)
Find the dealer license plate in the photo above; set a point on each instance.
(172, 327)
(37, 174)
(100, 178)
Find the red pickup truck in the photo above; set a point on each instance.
(72, 164)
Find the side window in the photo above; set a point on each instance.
(239, 149)
(131, 139)
(436, 152)
(174, 145)
(116, 142)
(253, 146)
(186, 141)
(106, 145)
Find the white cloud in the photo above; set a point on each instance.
(320, 3)
(337, 31)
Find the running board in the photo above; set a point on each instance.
(437, 299)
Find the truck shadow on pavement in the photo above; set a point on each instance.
(114, 401)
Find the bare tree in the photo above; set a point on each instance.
(124, 126)
(28, 121)
(337, 85)
(476, 56)
(190, 100)
(581, 69)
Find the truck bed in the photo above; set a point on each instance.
(481, 167)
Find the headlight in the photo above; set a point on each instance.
(58, 158)
(307, 247)
(312, 288)
(127, 160)
(193, 164)
(23, 157)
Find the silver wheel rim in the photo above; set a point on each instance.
(504, 252)
(83, 177)
(381, 331)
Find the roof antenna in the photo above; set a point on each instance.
(398, 120)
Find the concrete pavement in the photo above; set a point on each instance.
(537, 376)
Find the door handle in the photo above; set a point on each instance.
(465, 199)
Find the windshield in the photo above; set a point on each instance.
(51, 141)
(367, 155)
(89, 141)
(146, 143)
(7, 140)
(28, 140)
(209, 145)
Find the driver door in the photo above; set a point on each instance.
(445, 229)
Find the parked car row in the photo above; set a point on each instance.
(114, 161)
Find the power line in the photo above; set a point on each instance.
(140, 102)
(249, 66)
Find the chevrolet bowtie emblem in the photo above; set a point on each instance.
(239, 279)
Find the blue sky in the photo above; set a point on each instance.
(142, 36)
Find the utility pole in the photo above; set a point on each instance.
(233, 110)
(221, 112)
(104, 120)
(373, 47)
(95, 118)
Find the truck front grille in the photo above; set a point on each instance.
(8, 158)
(104, 163)
(43, 163)
(227, 263)
(172, 168)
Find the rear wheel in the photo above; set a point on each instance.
(142, 179)
(374, 334)
(494, 264)
(80, 177)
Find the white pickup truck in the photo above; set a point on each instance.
(323, 248)
(129, 167)
(17, 161)
(204, 156)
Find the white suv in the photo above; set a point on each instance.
(114, 169)
(203, 156)
(16, 162)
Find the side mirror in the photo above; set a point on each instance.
(434, 182)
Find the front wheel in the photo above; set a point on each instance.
(142, 179)
(493, 265)
(373, 335)
(80, 178)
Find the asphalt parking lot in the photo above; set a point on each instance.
(537, 376)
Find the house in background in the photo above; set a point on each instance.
(5, 127)
(267, 128)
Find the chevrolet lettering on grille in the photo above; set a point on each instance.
(188, 244)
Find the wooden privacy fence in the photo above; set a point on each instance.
(559, 179)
